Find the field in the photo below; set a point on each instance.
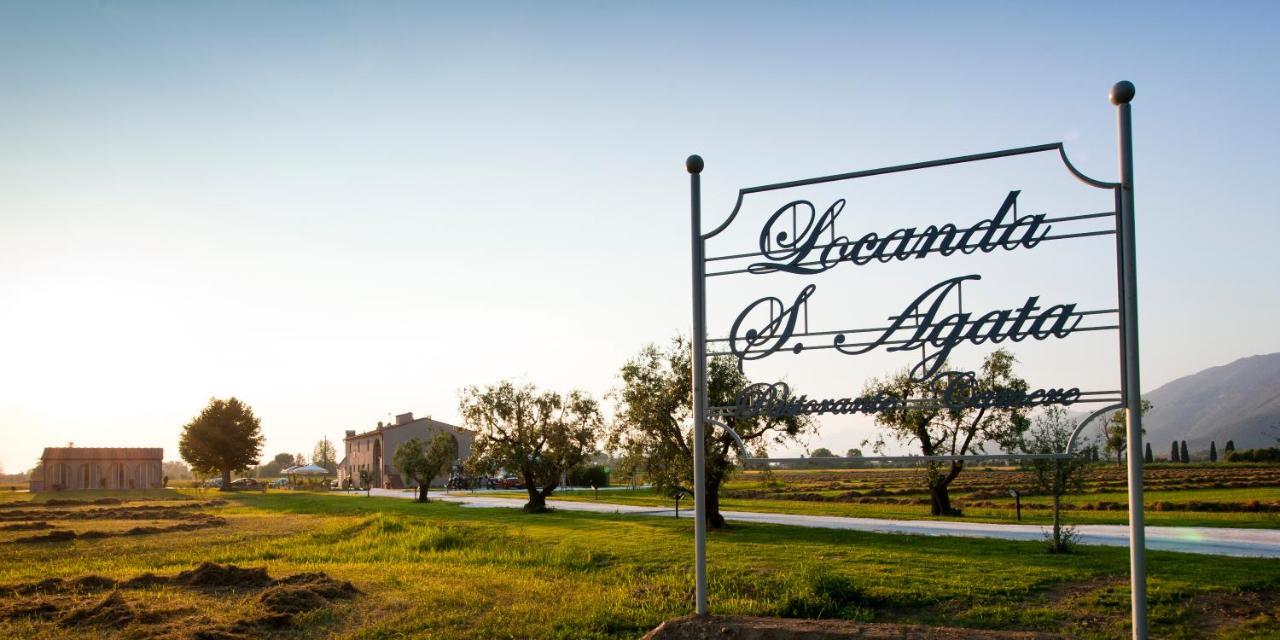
(443, 571)
(1175, 495)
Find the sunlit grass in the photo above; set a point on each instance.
(441, 570)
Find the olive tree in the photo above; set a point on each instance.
(1050, 432)
(1115, 432)
(422, 462)
(654, 421)
(540, 435)
(957, 428)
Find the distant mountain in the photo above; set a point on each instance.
(1235, 401)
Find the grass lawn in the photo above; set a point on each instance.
(443, 571)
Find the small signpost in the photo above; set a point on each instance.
(803, 239)
(1017, 502)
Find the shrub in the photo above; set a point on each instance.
(1270, 454)
(592, 476)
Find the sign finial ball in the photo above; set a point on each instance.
(694, 163)
(1122, 92)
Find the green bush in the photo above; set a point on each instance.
(1271, 454)
(593, 476)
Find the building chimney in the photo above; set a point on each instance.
(351, 433)
(404, 418)
(379, 424)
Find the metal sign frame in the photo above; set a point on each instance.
(784, 320)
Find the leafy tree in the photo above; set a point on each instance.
(539, 434)
(655, 420)
(1185, 456)
(176, 470)
(422, 462)
(1148, 457)
(853, 453)
(1050, 433)
(225, 437)
(324, 455)
(299, 459)
(280, 462)
(1173, 452)
(1115, 432)
(822, 452)
(1213, 451)
(1229, 449)
(955, 430)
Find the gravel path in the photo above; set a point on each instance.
(1210, 540)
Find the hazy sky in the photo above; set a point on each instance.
(339, 212)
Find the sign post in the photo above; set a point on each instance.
(1121, 94)
(811, 244)
(699, 365)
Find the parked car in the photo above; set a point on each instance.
(510, 482)
(245, 484)
(213, 483)
(278, 483)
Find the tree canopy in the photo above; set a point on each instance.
(1115, 432)
(225, 437)
(654, 421)
(540, 435)
(822, 452)
(956, 429)
(324, 455)
(422, 462)
(1050, 432)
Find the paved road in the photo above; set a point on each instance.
(1211, 540)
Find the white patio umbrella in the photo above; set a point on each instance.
(305, 470)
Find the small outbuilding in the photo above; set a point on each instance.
(79, 468)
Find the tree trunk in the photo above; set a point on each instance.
(714, 519)
(537, 499)
(226, 480)
(1057, 520)
(939, 499)
(422, 491)
(537, 503)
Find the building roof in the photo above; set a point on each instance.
(390, 427)
(102, 453)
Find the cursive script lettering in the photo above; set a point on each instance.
(800, 250)
(955, 390)
(921, 324)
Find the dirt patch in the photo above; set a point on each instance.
(111, 610)
(64, 535)
(69, 603)
(52, 536)
(210, 575)
(1215, 611)
(33, 608)
(27, 526)
(185, 511)
(60, 502)
(749, 628)
(304, 592)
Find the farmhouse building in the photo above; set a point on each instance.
(374, 451)
(78, 468)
